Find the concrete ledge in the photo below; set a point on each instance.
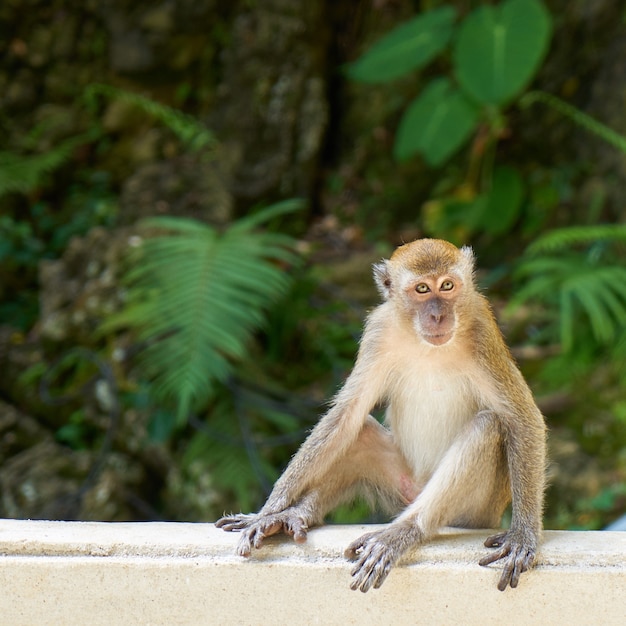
(66, 573)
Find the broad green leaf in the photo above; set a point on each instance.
(504, 201)
(499, 49)
(409, 46)
(436, 124)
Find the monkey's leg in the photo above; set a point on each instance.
(373, 463)
(468, 488)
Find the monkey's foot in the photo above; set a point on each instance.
(255, 528)
(376, 553)
(234, 522)
(518, 552)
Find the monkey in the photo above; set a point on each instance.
(462, 436)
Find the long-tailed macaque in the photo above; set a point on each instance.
(463, 435)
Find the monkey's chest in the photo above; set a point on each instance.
(427, 413)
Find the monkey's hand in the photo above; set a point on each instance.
(377, 552)
(518, 548)
(255, 528)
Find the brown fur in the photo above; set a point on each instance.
(463, 435)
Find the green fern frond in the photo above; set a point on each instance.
(195, 297)
(542, 278)
(195, 135)
(576, 286)
(567, 324)
(563, 238)
(23, 173)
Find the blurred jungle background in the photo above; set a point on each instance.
(192, 193)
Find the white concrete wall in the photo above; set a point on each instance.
(67, 573)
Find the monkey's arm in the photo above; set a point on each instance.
(525, 441)
(296, 500)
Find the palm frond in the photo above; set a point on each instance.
(196, 296)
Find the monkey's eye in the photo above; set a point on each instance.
(447, 285)
(422, 288)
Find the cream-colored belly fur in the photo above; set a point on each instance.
(434, 408)
(434, 397)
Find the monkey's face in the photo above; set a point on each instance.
(427, 280)
(432, 303)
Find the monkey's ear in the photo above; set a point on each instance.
(467, 262)
(382, 278)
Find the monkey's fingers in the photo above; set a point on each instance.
(496, 541)
(371, 569)
(298, 530)
(495, 556)
(354, 549)
(253, 536)
(518, 560)
(235, 523)
(244, 547)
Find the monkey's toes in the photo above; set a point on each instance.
(231, 523)
(353, 551)
(370, 571)
(496, 541)
(244, 547)
(299, 531)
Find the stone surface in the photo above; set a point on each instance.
(164, 573)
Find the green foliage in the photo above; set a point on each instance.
(18, 244)
(563, 238)
(586, 286)
(577, 116)
(410, 46)
(436, 123)
(238, 443)
(43, 233)
(195, 296)
(25, 173)
(495, 53)
(192, 133)
(499, 49)
(590, 513)
(493, 212)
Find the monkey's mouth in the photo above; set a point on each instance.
(439, 339)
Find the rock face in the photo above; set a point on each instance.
(81, 288)
(43, 479)
(271, 105)
(191, 186)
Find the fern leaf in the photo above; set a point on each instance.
(23, 173)
(562, 238)
(189, 130)
(195, 297)
(262, 217)
(567, 320)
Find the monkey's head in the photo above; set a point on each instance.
(427, 280)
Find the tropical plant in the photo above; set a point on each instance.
(23, 173)
(495, 53)
(195, 296)
(579, 273)
(192, 133)
(496, 50)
